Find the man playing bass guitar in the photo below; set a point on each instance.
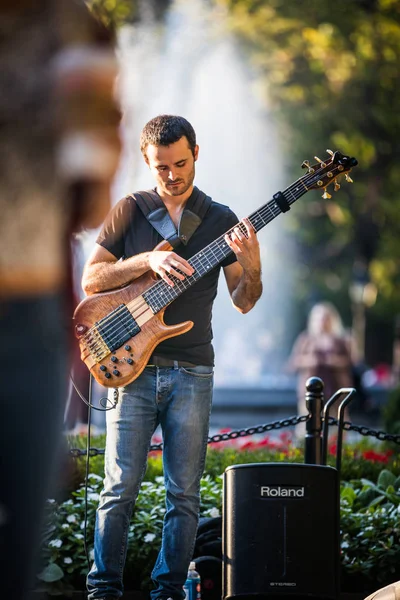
(175, 387)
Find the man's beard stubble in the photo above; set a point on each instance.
(179, 192)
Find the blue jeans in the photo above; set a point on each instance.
(179, 399)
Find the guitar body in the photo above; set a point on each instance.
(123, 365)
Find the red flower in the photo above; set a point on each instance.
(332, 449)
(375, 456)
(249, 446)
(286, 437)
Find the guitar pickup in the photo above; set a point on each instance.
(117, 327)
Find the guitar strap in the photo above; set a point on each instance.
(157, 214)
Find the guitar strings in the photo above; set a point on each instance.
(93, 332)
(268, 208)
(97, 346)
(153, 292)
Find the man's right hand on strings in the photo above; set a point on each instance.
(166, 263)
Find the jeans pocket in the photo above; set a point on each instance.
(201, 371)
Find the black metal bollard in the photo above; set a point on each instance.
(314, 404)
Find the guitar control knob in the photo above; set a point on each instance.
(80, 329)
(103, 368)
(108, 375)
(129, 361)
(127, 347)
(114, 359)
(116, 372)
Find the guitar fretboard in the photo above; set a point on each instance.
(161, 294)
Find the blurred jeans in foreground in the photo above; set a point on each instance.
(59, 149)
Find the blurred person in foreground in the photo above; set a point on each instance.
(175, 388)
(323, 350)
(59, 149)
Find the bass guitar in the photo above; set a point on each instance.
(118, 330)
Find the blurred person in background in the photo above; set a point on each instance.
(59, 148)
(323, 350)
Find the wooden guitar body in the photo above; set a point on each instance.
(123, 365)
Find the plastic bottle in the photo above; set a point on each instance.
(192, 587)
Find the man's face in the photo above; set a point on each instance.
(172, 166)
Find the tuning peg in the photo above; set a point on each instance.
(326, 195)
(336, 187)
(348, 178)
(305, 164)
(329, 151)
(320, 161)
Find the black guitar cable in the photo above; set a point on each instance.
(89, 403)
(103, 401)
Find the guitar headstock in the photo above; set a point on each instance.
(326, 172)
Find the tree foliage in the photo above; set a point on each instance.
(113, 13)
(332, 74)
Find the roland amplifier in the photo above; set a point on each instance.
(281, 531)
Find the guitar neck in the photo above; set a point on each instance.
(161, 294)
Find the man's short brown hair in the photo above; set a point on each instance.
(165, 130)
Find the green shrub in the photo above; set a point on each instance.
(370, 512)
(370, 524)
(391, 412)
(370, 527)
(364, 458)
(63, 555)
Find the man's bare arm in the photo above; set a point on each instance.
(245, 287)
(103, 271)
(244, 277)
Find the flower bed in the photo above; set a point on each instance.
(370, 514)
(362, 459)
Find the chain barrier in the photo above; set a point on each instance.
(232, 435)
(219, 437)
(382, 436)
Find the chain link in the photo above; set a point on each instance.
(380, 435)
(231, 435)
(257, 429)
(219, 437)
(76, 452)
